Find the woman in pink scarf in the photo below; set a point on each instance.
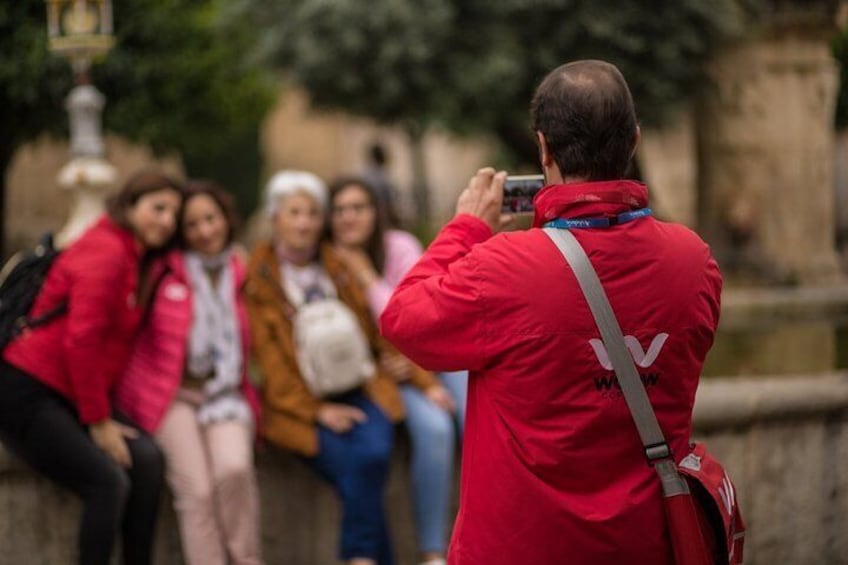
(187, 385)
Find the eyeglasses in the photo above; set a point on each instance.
(358, 209)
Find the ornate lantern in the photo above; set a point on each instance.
(80, 30)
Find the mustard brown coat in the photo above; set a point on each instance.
(290, 409)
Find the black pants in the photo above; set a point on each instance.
(41, 427)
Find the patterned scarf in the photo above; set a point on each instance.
(215, 342)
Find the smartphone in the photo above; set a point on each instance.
(519, 192)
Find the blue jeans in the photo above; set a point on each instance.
(356, 463)
(433, 450)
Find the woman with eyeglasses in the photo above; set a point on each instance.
(380, 258)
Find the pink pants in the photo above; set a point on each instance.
(210, 472)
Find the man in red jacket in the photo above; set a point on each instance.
(553, 469)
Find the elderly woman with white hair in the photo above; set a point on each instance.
(326, 398)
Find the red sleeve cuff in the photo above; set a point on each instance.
(477, 230)
(93, 410)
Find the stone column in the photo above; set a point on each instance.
(766, 142)
(87, 175)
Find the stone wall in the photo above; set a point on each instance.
(668, 159)
(294, 135)
(766, 147)
(34, 202)
(783, 440)
(300, 515)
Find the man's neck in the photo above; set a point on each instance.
(573, 180)
(553, 176)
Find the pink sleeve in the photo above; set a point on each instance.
(440, 302)
(402, 252)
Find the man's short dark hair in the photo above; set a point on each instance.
(586, 113)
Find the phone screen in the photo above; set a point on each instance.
(519, 192)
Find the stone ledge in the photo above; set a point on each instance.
(724, 403)
(300, 515)
(734, 402)
(759, 306)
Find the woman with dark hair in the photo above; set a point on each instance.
(187, 385)
(379, 258)
(56, 379)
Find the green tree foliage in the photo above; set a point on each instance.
(176, 80)
(472, 65)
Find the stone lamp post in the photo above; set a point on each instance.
(81, 31)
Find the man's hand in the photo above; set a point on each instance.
(109, 436)
(340, 418)
(483, 198)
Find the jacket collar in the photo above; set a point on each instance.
(174, 262)
(126, 236)
(265, 279)
(263, 266)
(264, 262)
(579, 200)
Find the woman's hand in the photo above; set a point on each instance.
(340, 418)
(440, 396)
(359, 263)
(109, 436)
(397, 366)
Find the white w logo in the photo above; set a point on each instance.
(641, 358)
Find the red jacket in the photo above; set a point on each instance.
(81, 353)
(552, 465)
(156, 365)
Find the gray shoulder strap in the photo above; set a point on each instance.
(634, 392)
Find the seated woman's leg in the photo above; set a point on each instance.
(190, 479)
(42, 429)
(142, 507)
(457, 383)
(230, 447)
(357, 465)
(432, 432)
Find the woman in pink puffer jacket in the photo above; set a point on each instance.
(187, 385)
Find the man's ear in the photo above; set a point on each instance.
(545, 157)
(636, 139)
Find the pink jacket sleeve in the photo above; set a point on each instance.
(436, 317)
(402, 252)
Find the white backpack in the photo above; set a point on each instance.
(332, 351)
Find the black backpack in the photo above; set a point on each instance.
(22, 277)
